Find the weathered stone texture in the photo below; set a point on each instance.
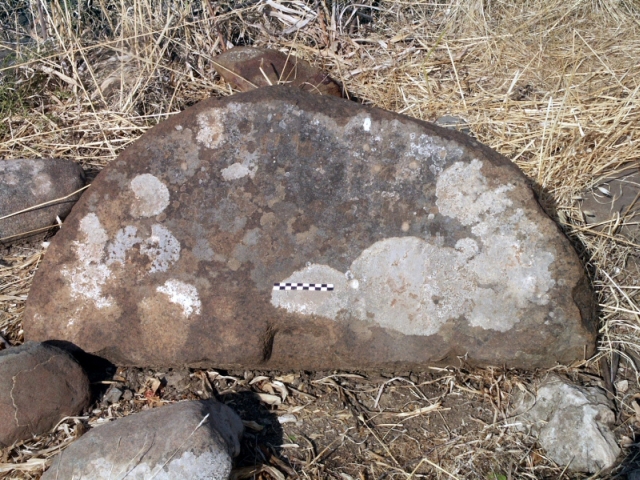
(29, 182)
(185, 441)
(573, 424)
(435, 244)
(39, 385)
(247, 68)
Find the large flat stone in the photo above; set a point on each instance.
(434, 243)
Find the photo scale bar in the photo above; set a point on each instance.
(316, 287)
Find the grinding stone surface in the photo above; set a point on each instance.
(434, 243)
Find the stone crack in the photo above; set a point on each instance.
(13, 386)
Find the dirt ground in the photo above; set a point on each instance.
(553, 85)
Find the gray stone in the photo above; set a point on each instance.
(456, 123)
(434, 243)
(113, 395)
(573, 424)
(185, 441)
(613, 204)
(30, 182)
(39, 385)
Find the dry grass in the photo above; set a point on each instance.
(551, 84)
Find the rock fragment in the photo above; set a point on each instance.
(613, 204)
(573, 424)
(434, 245)
(29, 182)
(456, 123)
(39, 385)
(247, 68)
(192, 440)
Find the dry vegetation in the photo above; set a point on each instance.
(552, 84)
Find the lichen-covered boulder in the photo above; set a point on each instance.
(420, 243)
(46, 184)
(185, 441)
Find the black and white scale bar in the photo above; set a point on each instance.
(316, 287)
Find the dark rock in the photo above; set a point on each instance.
(573, 424)
(39, 385)
(247, 68)
(183, 441)
(30, 182)
(613, 204)
(434, 243)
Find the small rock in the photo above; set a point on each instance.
(622, 386)
(287, 418)
(40, 385)
(178, 379)
(247, 68)
(127, 395)
(573, 424)
(113, 395)
(455, 123)
(183, 441)
(615, 196)
(29, 182)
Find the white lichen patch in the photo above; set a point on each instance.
(211, 124)
(89, 275)
(183, 294)
(432, 150)
(214, 462)
(42, 185)
(162, 248)
(151, 196)
(248, 166)
(415, 286)
(235, 171)
(97, 257)
(366, 124)
(125, 239)
(463, 194)
(203, 251)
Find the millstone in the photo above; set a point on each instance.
(434, 246)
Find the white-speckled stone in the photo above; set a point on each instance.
(193, 440)
(435, 245)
